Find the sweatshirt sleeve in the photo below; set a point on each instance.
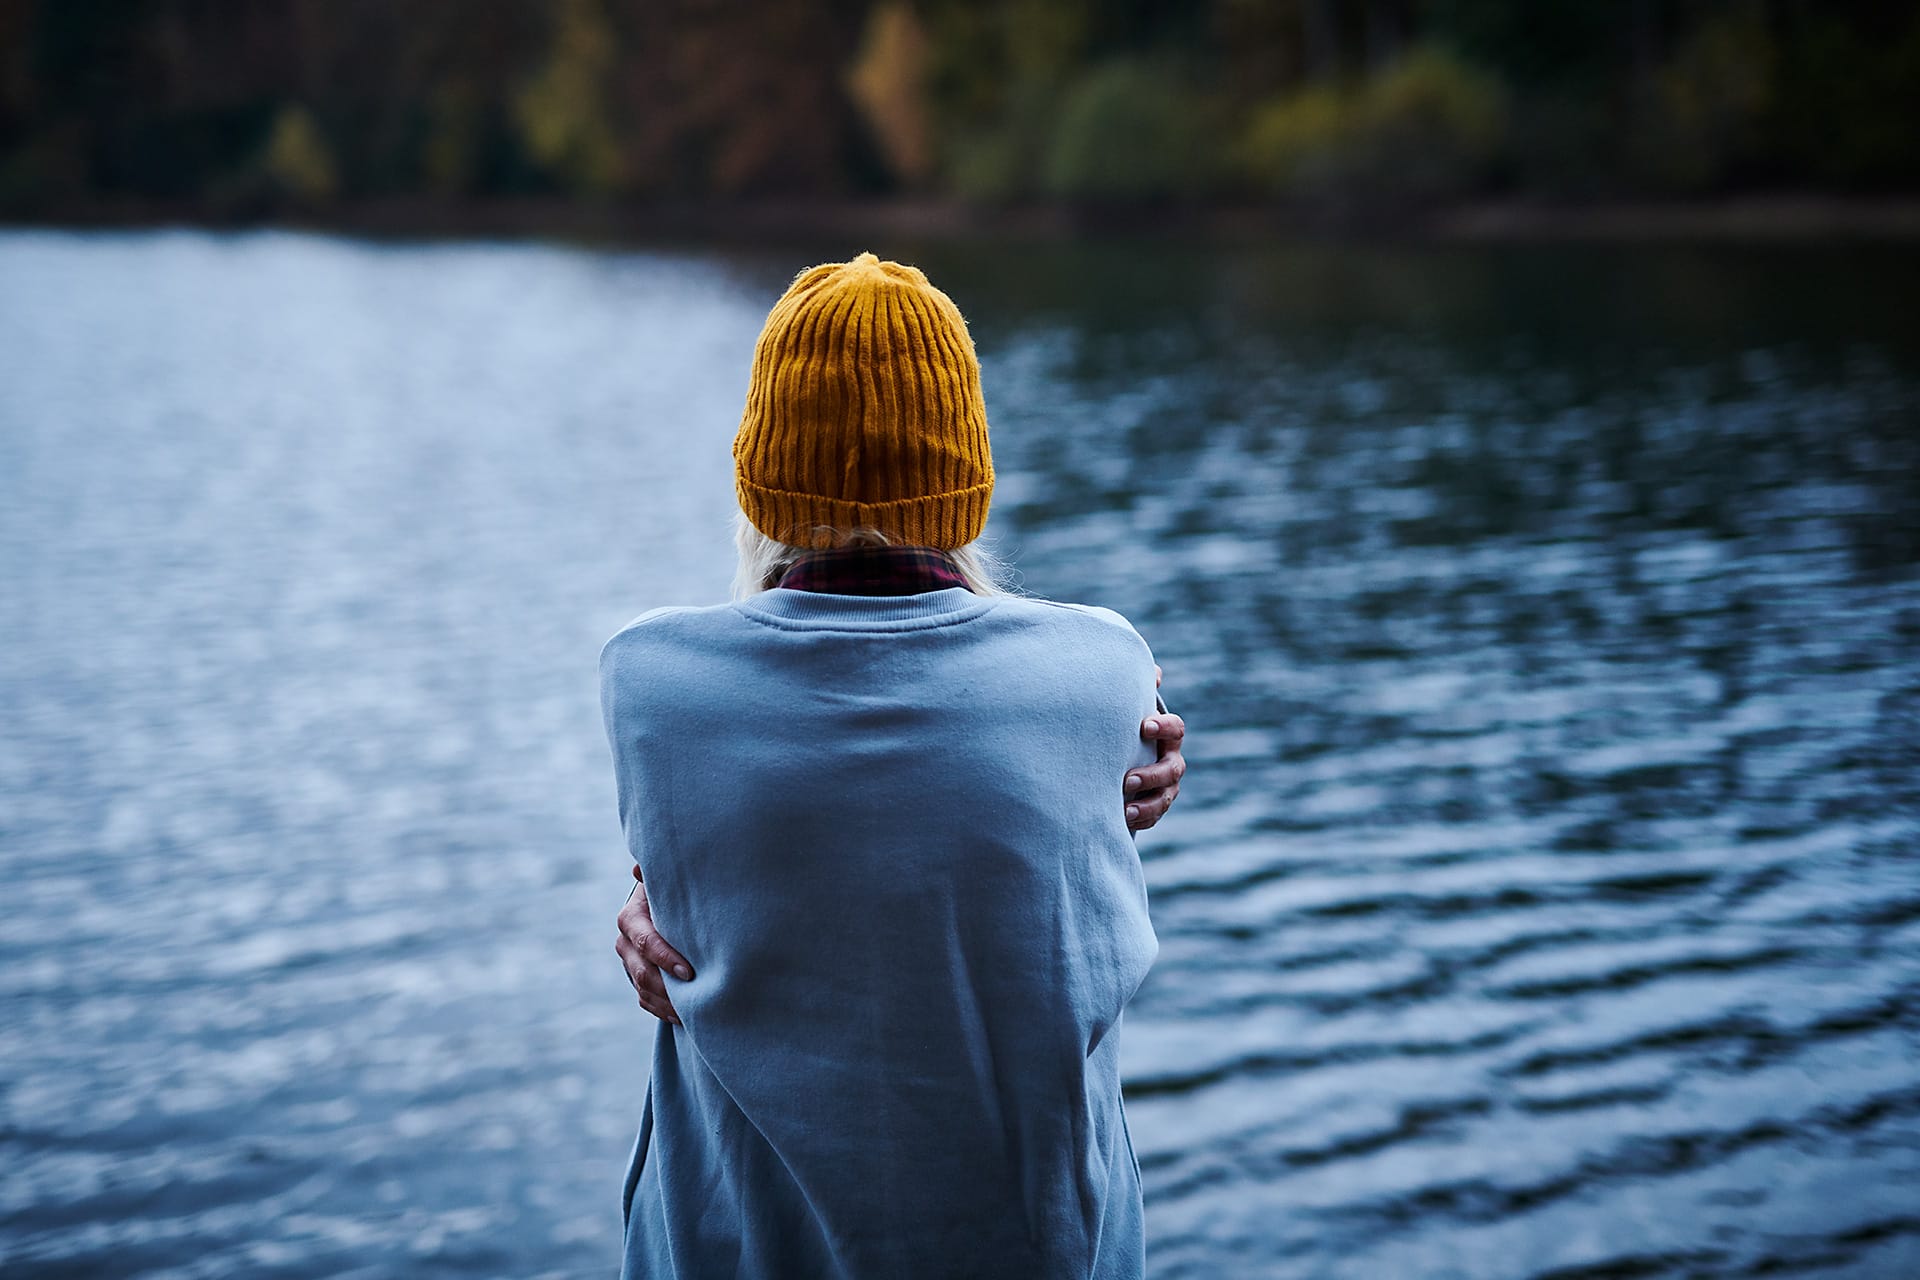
(1119, 620)
(618, 695)
(628, 662)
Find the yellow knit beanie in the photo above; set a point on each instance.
(864, 409)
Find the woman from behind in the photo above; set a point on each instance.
(888, 837)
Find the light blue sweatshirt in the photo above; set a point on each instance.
(886, 831)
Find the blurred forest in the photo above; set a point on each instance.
(249, 108)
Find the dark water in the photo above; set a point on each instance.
(1544, 900)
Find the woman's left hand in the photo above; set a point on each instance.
(645, 953)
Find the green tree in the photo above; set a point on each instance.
(1427, 128)
(1126, 132)
(298, 159)
(889, 81)
(563, 112)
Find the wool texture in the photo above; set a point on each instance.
(887, 834)
(864, 408)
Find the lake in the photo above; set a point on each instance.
(1543, 901)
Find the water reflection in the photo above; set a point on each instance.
(1544, 901)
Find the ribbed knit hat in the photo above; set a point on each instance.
(864, 409)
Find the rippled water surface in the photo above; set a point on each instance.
(1544, 900)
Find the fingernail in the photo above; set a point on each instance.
(1133, 811)
(1153, 726)
(1133, 782)
(682, 972)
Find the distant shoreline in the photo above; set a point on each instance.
(1747, 219)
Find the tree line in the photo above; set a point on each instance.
(242, 106)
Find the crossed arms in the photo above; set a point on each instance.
(1148, 791)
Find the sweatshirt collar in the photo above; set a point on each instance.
(792, 610)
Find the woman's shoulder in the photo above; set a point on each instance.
(1110, 617)
(665, 623)
(1105, 616)
(1090, 620)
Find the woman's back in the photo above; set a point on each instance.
(924, 789)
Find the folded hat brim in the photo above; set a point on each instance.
(943, 521)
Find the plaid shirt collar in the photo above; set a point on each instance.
(872, 571)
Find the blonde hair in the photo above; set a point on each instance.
(763, 560)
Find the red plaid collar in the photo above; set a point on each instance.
(872, 571)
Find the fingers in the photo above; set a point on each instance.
(1148, 778)
(1151, 789)
(636, 922)
(644, 954)
(646, 980)
(1149, 807)
(1166, 728)
(1169, 731)
(1156, 675)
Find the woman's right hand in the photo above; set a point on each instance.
(1151, 790)
(645, 953)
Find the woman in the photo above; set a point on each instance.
(875, 804)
